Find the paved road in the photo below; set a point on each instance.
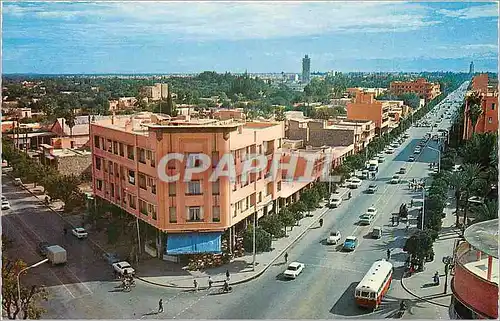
(85, 289)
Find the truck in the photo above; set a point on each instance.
(56, 255)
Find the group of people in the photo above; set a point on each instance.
(416, 185)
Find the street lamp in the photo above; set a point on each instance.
(423, 206)
(447, 261)
(439, 156)
(19, 275)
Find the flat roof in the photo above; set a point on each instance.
(483, 236)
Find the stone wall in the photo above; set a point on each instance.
(75, 165)
(331, 137)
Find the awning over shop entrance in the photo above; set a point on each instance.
(192, 243)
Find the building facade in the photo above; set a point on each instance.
(488, 119)
(366, 107)
(421, 87)
(306, 69)
(154, 93)
(475, 280)
(190, 215)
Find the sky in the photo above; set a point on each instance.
(190, 37)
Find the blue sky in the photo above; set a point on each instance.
(172, 37)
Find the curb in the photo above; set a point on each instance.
(424, 299)
(257, 274)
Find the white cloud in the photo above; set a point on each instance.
(482, 11)
(234, 21)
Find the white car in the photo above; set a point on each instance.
(334, 237)
(4, 198)
(395, 179)
(394, 145)
(417, 151)
(371, 211)
(293, 270)
(121, 267)
(79, 232)
(389, 150)
(335, 201)
(354, 182)
(5, 205)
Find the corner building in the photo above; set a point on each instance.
(190, 216)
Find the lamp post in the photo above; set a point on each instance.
(448, 261)
(423, 206)
(19, 281)
(439, 156)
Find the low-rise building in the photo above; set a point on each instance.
(66, 161)
(226, 114)
(420, 86)
(366, 107)
(122, 103)
(156, 92)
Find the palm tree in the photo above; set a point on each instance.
(475, 110)
(472, 176)
(70, 119)
(487, 211)
(454, 179)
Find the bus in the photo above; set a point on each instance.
(374, 285)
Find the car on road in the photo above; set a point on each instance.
(4, 198)
(417, 150)
(389, 150)
(376, 232)
(395, 179)
(402, 170)
(371, 211)
(42, 248)
(79, 232)
(5, 205)
(334, 201)
(394, 145)
(354, 182)
(350, 243)
(17, 181)
(406, 135)
(381, 159)
(122, 267)
(365, 219)
(411, 158)
(334, 237)
(111, 258)
(372, 188)
(293, 270)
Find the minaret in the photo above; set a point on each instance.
(471, 67)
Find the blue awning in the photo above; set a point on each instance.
(193, 243)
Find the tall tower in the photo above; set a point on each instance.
(306, 69)
(471, 67)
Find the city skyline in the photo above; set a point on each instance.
(91, 38)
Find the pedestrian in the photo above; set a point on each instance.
(411, 202)
(392, 220)
(210, 282)
(160, 306)
(286, 257)
(227, 275)
(397, 220)
(195, 283)
(388, 254)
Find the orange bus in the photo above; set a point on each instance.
(374, 285)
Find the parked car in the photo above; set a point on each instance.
(365, 219)
(350, 243)
(354, 182)
(122, 267)
(372, 188)
(381, 159)
(79, 232)
(17, 181)
(389, 150)
(402, 170)
(334, 237)
(4, 198)
(371, 211)
(293, 270)
(377, 232)
(417, 151)
(5, 205)
(42, 248)
(335, 201)
(411, 159)
(394, 145)
(395, 179)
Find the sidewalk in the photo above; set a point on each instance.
(240, 269)
(421, 285)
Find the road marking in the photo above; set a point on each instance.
(192, 304)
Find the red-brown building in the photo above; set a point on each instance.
(488, 120)
(421, 87)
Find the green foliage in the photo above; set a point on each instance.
(419, 245)
(273, 225)
(286, 217)
(298, 209)
(310, 198)
(262, 240)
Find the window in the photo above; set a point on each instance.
(141, 155)
(112, 190)
(98, 163)
(194, 188)
(153, 159)
(193, 161)
(110, 145)
(492, 106)
(172, 215)
(117, 170)
(260, 197)
(131, 177)
(97, 141)
(194, 214)
(132, 201)
(490, 120)
(151, 182)
(215, 159)
(152, 210)
(120, 147)
(171, 189)
(115, 148)
(110, 166)
(215, 188)
(143, 207)
(130, 152)
(99, 185)
(279, 186)
(142, 181)
(216, 214)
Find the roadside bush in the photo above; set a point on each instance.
(262, 240)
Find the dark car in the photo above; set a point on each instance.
(411, 159)
(42, 248)
(372, 188)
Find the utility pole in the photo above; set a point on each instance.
(253, 236)
(138, 240)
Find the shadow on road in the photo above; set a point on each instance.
(345, 306)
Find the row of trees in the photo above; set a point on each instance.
(57, 186)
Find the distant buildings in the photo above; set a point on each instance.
(154, 93)
(471, 68)
(488, 119)
(122, 103)
(306, 69)
(421, 87)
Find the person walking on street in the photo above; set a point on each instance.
(160, 306)
(210, 282)
(195, 283)
(411, 202)
(388, 254)
(286, 257)
(227, 275)
(392, 220)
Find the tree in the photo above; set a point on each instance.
(287, 218)
(273, 225)
(419, 245)
(456, 182)
(70, 119)
(487, 211)
(170, 105)
(263, 240)
(475, 110)
(298, 209)
(310, 198)
(28, 305)
(279, 114)
(472, 177)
